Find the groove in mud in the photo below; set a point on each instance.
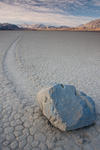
(17, 78)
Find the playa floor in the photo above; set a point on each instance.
(30, 61)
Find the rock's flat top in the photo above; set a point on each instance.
(66, 108)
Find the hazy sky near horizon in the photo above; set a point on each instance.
(53, 12)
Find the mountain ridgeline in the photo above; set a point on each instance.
(7, 26)
(91, 26)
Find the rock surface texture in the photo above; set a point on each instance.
(66, 108)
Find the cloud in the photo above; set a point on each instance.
(56, 5)
(96, 2)
(18, 14)
(54, 12)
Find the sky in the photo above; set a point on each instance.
(49, 12)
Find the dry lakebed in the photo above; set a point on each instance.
(30, 61)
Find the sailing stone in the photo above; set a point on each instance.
(66, 108)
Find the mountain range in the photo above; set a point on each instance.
(41, 27)
(91, 26)
(7, 26)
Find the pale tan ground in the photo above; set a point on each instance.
(32, 60)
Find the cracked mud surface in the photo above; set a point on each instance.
(32, 60)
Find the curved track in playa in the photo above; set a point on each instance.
(24, 70)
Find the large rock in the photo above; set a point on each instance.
(66, 108)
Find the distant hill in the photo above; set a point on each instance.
(7, 26)
(32, 26)
(91, 26)
(41, 27)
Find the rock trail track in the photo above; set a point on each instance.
(24, 70)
